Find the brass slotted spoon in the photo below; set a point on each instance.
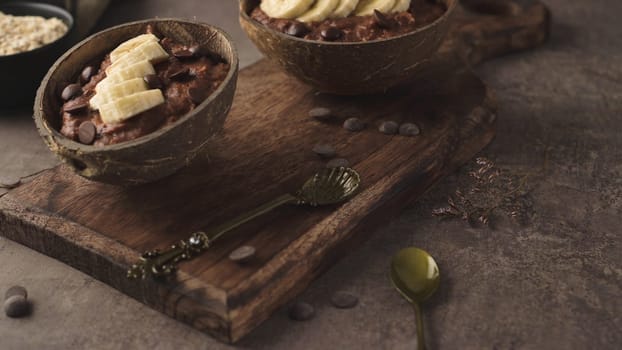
(329, 186)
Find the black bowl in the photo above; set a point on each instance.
(22, 72)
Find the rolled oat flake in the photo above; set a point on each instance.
(26, 33)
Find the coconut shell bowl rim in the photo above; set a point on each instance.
(451, 5)
(71, 144)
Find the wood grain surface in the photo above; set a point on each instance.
(265, 150)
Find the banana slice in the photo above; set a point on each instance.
(136, 70)
(128, 45)
(285, 8)
(319, 11)
(401, 6)
(344, 9)
(367, 7)
(148, 51)
(126, 107)
(116, 91)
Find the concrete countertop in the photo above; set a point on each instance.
(553, 284)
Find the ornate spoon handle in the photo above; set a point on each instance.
(160, 264)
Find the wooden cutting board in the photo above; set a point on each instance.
(265, 151)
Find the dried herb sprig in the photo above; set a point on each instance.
(488, 191)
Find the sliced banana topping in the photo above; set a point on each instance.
(126, 107)
(401, 6)
(117, 91)
(285, 8)
(367, 7)
(319, 11)
(148, 51)
(344, 9)
(127, 46)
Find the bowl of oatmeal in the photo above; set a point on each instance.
(348, 47)
(33, 36)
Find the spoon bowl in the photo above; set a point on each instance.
(329, 186)
(416, 277)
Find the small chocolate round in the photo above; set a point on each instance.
(16, 306)
(331, 33)
(353, 124)
(324, 151)
(242, 254)
(338, 163)
(409, 129)
(71, 91)
(297, 29)
(9, 182)
(344, 300)
(16, 290)
(87, 132)
(196, 50)
(382, 20)
(301, 311)
(87, 73)
(389, 127)
(153, 81)
(320, 113)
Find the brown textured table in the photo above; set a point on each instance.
(554, 284)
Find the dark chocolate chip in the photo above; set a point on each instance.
(301, 311)
(320, 113)
(338, 163)
(87, 73)
(9, 182)
(16, 306)
(153, 81)
(324, 151)
(183, 53)
(331, 33)
(242, 254)
(75, 106)
(71, 91)
(16, 290)
(409, 129)
(343, 300)
(353, 124)
(297, 29)
(197, 94)
(87, 132)
(197, 50)
(389, 128)
(178, 72)
(382, 20)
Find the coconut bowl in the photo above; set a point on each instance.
(351, 68)
(153, 156)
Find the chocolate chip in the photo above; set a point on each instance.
(71, 91)
(242, 254)
(197, 94)
(87, 73)
(16, 290)
(16, 302)
(178, 72)
(301, 311)
(153, 81)
(338, 163)
(75, 106)
(382, 20)
(409, 129)
(322, 114)
(331, 33)
(343, 300)
(196, 50)
(324, 151)
(9, 182)
(353, 124)
(87, 132)
(389, 128)
(183, 53)
(297, 29)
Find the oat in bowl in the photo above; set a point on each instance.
(26, 33)
(137, 102)
(348, 47)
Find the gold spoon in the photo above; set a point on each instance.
(329, 186)
(415, 275)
